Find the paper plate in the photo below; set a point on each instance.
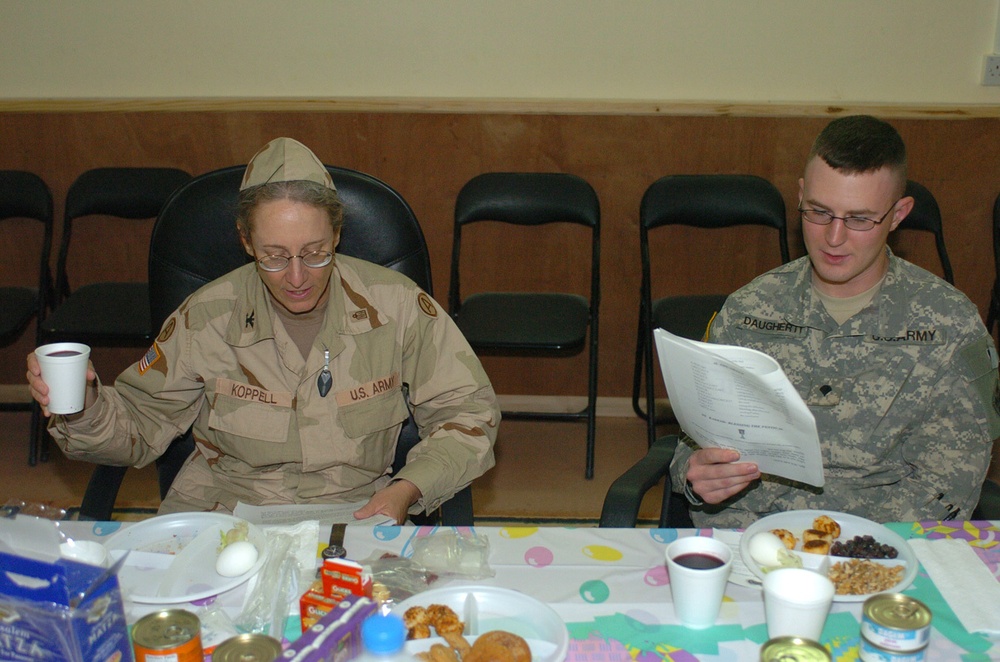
(798, 521)
(486, 608)
(154, 544)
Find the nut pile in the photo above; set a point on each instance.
(860, 577)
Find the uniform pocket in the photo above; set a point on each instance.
(252, 420)
(371, 415)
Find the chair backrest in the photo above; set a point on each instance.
(714, 201)
(993, 316)
(926, 216)
(26, 195)
(195, 241)
(379, 226)
(130, 193)
(525, 198)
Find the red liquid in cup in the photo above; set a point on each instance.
(698, 561)
(64, 352)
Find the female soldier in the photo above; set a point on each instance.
(296, 371)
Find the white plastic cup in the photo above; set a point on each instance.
(64, 370)
(697, 593)
(85, 551)
(796, 602)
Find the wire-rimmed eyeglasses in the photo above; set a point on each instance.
(312, 259)
(856, 223)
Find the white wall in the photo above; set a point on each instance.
(759, 51)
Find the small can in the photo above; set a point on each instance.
(896, 622)
(248, 648)
(171, 634)
(869, 652)
(793, 649)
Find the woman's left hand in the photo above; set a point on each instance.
(392, 501)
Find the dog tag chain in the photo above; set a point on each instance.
(325, 379)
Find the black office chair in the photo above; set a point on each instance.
(195, 241)
(702, 201)
(532, 323)
(25, 195)
(107, 314)
(989, 502)
(993, 316)
(926, 216)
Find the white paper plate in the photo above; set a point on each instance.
(155, 542)
(497, 609)
(798, 521)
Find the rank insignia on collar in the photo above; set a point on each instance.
(249, 320)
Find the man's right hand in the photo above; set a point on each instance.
(40, 390)
(715, 474)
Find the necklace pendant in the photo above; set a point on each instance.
(324, 382)
(325, 379)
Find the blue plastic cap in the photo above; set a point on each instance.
(383, 634)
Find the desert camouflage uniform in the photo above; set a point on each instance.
(904, 394)
(263, 433)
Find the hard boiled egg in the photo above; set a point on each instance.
(236, 558)
(767, 550)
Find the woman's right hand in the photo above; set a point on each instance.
(715, 474)
(40, 390)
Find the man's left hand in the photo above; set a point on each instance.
(392, 501)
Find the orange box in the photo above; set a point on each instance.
(313, 606)
(342, 577)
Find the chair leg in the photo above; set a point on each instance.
(102, 491)
(35, 434)
(592, 404)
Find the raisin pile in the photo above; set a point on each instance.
(863, 547)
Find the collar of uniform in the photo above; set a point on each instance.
(252, 316)
(352, 309)
(883, 316)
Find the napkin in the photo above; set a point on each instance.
(964, 581)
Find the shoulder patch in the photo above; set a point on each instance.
(168, 330)
(149, 358)
(426, 305)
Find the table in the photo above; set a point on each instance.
(611, 588)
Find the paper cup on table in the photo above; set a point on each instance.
(64, 370)
(796, 602)
(84, 551)
(698, 568)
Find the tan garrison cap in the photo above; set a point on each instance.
(285, 160)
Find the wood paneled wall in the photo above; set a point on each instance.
(427, 157)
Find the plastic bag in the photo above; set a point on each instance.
(276, 587)
(395, 578)
(450, 554)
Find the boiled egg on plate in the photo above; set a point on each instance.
(236, 558)
(767, 550)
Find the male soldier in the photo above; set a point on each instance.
(895, 363)
(297, 372)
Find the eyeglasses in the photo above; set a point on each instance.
(856, 223)
(313, 260)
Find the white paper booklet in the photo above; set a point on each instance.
(735, 397)
(327, 513)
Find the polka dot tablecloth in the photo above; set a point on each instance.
(611, 588)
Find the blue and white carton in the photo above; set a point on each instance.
(56, 609)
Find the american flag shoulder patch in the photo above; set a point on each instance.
(149, 358)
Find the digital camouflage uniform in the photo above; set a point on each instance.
(904, 394)
(264, 434)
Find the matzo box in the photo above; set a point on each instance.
(39, 617)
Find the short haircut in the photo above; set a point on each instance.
(306, 192)
(859, 144)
